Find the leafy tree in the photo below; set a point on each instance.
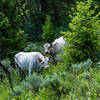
(48, 30)
(12, 38)
(83, 37)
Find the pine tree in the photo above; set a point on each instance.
(48, 30)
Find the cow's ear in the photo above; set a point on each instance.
(39, 60)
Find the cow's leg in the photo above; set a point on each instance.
(30, 71)
(51, 58)
(19, 69)
(20, 73)
(23, 74)
(54, 60)
(39, 70)
(30, 68)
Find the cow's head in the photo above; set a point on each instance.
(46, 48)
(44, 63)
(49, 48)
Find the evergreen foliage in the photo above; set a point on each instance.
(48, 30)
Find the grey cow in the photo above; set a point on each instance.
(55, 48)
(31, 61)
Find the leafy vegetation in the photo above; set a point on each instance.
(48, 30)
(84, 33)
(12, 39)
(58, 82)
(25, 25)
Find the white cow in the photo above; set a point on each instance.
(55, 48)
(31, 61)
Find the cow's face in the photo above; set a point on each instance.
(46, 48)
(49, 48)
(44, 63)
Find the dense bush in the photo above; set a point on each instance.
(35, 81)
(48, 30)
(11, 40)
(85, 65)
(83, 37)
(33, 47)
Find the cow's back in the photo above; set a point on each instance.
(24, 59)
(59, 43)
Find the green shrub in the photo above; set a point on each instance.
(35, 81)
(13, 72)
(18, 91)
(85, 65)
(26, 86)
(7, 63)
(4, 91)
(55, 85)
(11, 41)
(83, 37)
(48, 30)
(33, 47)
